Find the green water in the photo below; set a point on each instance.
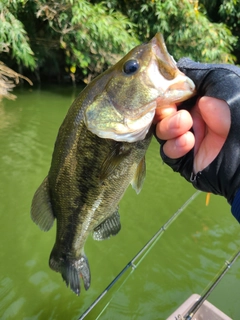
(185, 260)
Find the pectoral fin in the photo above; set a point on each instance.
(109, 227)
(41, 210)
(113, 159)
(139, 176)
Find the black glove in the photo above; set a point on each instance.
(222, 175)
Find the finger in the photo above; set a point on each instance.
(212, 130)
(164, 111)
(178, 147)
(175, 125)
(216, 115)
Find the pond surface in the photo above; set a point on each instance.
(185, 259)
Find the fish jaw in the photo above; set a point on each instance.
(172, 85)
(126, 113)
(126, 130)
(179, 89)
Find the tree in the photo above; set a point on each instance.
(229, 12)
(185, 26)
(15, 43)
(81, 38)
(13, 36)
(8, 80)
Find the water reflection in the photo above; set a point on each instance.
(184, 261)
(9, 301)
(6, 119)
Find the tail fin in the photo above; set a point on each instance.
(72, 270)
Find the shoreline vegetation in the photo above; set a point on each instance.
(72, 41)
(8, 80)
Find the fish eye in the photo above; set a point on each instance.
(131, 66)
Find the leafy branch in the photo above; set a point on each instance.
(8, 80)
(13, 37)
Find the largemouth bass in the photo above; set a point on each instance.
(100, 150)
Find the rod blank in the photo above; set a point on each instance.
(143, 250)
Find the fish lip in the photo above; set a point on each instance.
(165, 61)
(179, 87)
(185, 89)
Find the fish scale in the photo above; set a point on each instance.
(100, 150)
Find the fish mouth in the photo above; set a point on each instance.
(183, 89)
(166, 63)
(165, 83)
(174, 84)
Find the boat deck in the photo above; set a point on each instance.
(207, 311)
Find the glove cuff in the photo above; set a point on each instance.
(236, 206)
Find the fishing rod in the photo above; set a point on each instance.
(145, 249)
(191, 312)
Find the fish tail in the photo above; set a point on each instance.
(72, 270)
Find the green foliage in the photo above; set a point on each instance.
(13, 37)
(85, 36)
(91, 36)
(229, 11)
(186, 29)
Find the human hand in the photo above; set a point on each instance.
(210, 121)
(200, 139)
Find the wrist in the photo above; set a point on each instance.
(235, 208)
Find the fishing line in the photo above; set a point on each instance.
(191, 312)
(143, 252)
